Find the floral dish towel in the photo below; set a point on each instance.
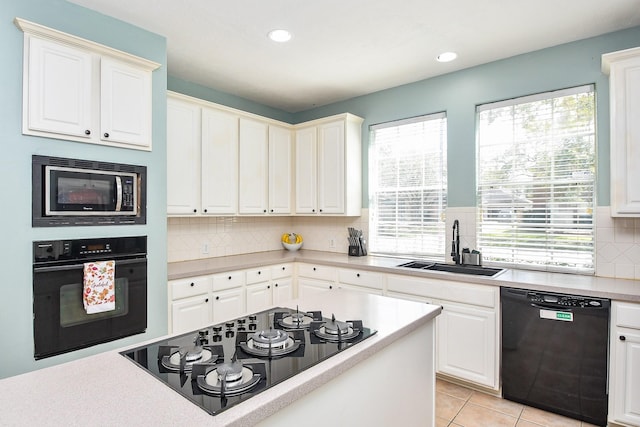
(99, 286)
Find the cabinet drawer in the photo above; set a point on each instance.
(258, 275)
(281, 270)
(465, 293)
(627, 315)
(184, 288)
(321, 272)
(361, 278)
(231, 279)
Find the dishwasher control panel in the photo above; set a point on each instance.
(563, 300)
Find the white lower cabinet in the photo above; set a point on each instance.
(204, 300)
(309, 288)
(314, 279)
(624, 368)
(189, 304)
(228, 304)
(190, 313)
(258, 293)
(467, 330)
(282, 290)
(282, 283)
(466, 342)
(199, 301)
(361, 281)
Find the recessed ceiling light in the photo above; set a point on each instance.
(280, 36)
(447, 56)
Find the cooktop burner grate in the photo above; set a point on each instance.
(181, 359)
(228, 379)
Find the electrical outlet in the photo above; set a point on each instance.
(332, 243)
(205, 248)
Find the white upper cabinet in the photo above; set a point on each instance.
(219, 162)
(183, 148)
(59, 89)
(125, 103)
(253, 176)
(202, 159)
(306, 167)
(222, 161)
(79, 90)
(331, 171)
(280, 185)
(329, 166)
(265, 168)
(623, 68)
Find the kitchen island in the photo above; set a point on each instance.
(387, 379)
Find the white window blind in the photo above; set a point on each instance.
(536, 175)
(408, 186)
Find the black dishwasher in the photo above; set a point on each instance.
(555, 352)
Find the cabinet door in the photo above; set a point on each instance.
(625, 135)
(190, 313)
(625, 393)
(253, 177)
(59, 89)
(228, 304)
(466, 344)
(331, 158)
(282, 290)
(183, 158)
(219, 162)
(259, 297)
(308, 289)
(125, 103)
(280, 146)
(306, 167)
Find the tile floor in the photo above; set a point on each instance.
(458, 406)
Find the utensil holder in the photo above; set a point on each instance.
(357, 251)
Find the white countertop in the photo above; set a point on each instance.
(602, 287)
(108, 389)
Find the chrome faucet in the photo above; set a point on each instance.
(455, 243)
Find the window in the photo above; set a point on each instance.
(536, 174)
(408, 186)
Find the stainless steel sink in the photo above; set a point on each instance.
(474, 270)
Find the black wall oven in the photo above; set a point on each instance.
(60, 320)
(85, 192)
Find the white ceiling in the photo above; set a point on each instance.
(346, 48)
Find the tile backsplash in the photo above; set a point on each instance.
(195, 238)
(617, 239)
(617, 246)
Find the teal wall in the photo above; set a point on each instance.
(17, 235)
(198, 91)
(458, 93)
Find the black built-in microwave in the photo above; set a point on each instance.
(73, 192)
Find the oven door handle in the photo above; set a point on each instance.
(54, 268)
(118, 194)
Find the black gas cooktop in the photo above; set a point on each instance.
(225, 364)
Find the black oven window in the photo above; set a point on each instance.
(72, 311)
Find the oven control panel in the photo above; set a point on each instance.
(95, 248)
(48, 251)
